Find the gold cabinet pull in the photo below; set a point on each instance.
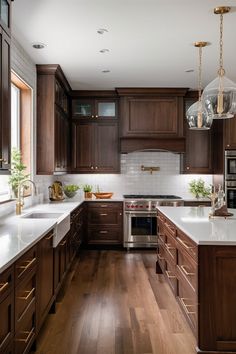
(29, 334)
(29, 263)
(29, 293)
(103, 205)
(49, 237)
(160, 257)
(103, 232)
(183, 267)
(169, 275)
(182, 299)
(103, 214)
(185, 244)
(63, 243)
(169, 247)
(170, 227)
(3, 286)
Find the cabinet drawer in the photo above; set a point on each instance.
(108, 205)
(170, 274)
(100, 216)
(25, 331)
(188, 302)
(25, 264)
(169, 227)
(187, 244)
(6, 282)
(104, 236)
(187, 269)
(7, 321)
(161, 257)
(24, 294)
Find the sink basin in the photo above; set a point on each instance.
(43, 215)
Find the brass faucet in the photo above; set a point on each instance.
(20, 197)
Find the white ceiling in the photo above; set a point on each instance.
(150, 41)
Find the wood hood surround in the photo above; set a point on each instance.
(152, 119)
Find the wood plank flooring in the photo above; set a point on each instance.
(115, 303)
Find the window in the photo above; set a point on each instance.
(15, 117)
(21, 113)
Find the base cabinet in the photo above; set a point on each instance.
(45, 291)
(202, 278)
(104, 223)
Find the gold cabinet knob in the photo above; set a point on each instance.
(96, 167)
(187, 167)
(92, 167)
(96, 116)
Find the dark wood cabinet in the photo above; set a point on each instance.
(45, 291)
(5, 101)
(53, 124)
(105, 223)
(152, 118)
(5, 15)
(230, 134)
(197, 158)
(95, 147)
(94, 108)
(60, 263)
(6, 309)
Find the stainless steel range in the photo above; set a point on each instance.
(140, 222)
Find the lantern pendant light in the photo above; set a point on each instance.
(220, 95)
(197, 116)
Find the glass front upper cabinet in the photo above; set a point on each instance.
(5, 13)
(92, 108)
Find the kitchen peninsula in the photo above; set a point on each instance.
(197, 255)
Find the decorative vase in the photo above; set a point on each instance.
(88, 195)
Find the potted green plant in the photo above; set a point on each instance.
(199, 189)
(87, 188)
(18, 173)
(70, 190)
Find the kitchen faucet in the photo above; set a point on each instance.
(20, 197)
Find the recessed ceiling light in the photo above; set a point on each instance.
(38, 45)
(105, 50)
(189, 71)
(106, 71)
(102, 30)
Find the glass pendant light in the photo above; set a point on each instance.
(220, 95)
(197, 115)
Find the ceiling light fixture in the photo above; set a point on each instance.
(105, 50)
(38, 45)
(197, 115)
(220, 95)
(189, 71)
(102, 30)
(106, 71)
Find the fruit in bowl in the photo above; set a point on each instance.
(70, 190)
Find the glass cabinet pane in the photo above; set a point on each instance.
(82, 109)
(106, 109)
(4, 12)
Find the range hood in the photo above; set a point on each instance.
(176, 145)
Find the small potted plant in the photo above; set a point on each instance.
(70, 190)
(87, 188)
(198, 188)
(17, 172)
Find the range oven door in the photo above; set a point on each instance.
(230, 165)
(141, 230)
(230, 192)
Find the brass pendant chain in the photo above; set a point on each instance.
(199, 115)
(221, 72)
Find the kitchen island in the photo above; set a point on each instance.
(197, 256)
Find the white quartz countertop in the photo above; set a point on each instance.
(18, 234)
(195, 223)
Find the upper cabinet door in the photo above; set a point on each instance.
(106, 152)
(106, 109)
(152, 117)
(5, 100)
(5, 15)
(83, 108)
(230, 134)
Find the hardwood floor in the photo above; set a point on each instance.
(115, 303)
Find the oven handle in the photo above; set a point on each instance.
(229, 188)
(140, 214)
